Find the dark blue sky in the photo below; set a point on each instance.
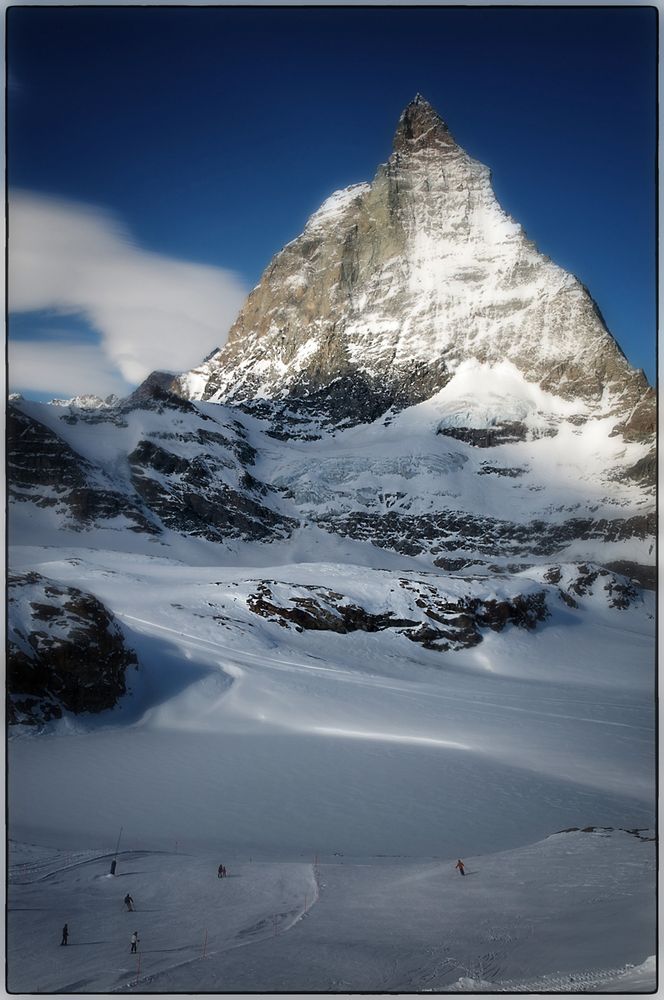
(215, 132)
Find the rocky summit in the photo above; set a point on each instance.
(393, 284)
(413, 388)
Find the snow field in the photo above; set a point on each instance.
(568, 474)
(545, 914)
(248, 719)
(241, 739)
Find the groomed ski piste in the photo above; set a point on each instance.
(542, 918)
(338, 778)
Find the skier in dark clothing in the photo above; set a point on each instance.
(460, 866)
(220, 871)
(129, 902)
(65, 935)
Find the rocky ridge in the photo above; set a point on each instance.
(43, 469)
(170, 467)
(435, 614)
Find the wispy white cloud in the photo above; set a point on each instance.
(50, 369)
(151, 311)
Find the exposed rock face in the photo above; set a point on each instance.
(455, 531)
(320, 610)
(155, 392)
(392, 284)
(188, 472)
(66, 652)
(45, 470)
(503, 432)
(436, 619)
(437, 613)
(189, 495)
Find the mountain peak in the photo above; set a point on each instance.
(420, 126)
(393, 284)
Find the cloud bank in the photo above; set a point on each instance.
(150, 311)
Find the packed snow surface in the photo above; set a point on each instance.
(263, 747)
(545, 917)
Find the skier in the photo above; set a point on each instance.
(129, 902)
(220, 871)
(460, 866)
(65, 935)
(134, 942)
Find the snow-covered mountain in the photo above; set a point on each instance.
(394, 284)
(393, 542)
(410, 372)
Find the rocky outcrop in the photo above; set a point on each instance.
(436, 620)
(194, 476)
(587, 580)
(156, 392)
(319, 610)
(504, 432)
(438, 613)
(66, 652)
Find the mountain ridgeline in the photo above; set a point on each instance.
(411, 386)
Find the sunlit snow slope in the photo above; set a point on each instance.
(363, 742)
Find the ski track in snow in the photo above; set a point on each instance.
(390, 924)
(374, 682)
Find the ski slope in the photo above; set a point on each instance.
(265, 747)
(569, 913)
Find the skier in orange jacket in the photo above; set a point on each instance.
(460, 866)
